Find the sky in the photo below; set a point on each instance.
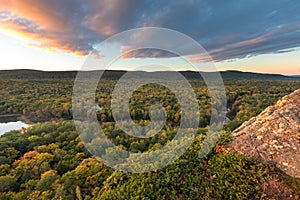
(258, 36)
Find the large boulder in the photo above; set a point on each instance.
(273, 135)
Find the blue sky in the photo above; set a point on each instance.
(256, 35)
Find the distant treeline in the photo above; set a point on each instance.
(114, 75)
(9, 118)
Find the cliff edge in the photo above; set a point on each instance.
(273, 135)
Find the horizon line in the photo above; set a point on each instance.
(120, 70)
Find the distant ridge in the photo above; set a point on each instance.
(227, 75)
(295, 76)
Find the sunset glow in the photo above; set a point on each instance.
(58, 35)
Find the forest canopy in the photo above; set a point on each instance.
(49, 160)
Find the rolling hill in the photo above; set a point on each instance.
(227, 75)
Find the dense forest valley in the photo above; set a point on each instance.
(48, 160)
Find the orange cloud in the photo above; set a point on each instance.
(199, 58)
(43, 13)
(49, 36)
(63, 25)
(50, 25)
(42, 39)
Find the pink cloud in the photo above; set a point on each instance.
(58, 27)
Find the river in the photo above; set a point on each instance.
(9, 126)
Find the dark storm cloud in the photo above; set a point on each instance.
(226, 29)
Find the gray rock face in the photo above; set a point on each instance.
(273, 135)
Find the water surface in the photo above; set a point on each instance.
(6, 127)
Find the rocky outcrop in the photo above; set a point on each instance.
(274, 135)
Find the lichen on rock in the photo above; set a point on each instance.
(273, 135)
